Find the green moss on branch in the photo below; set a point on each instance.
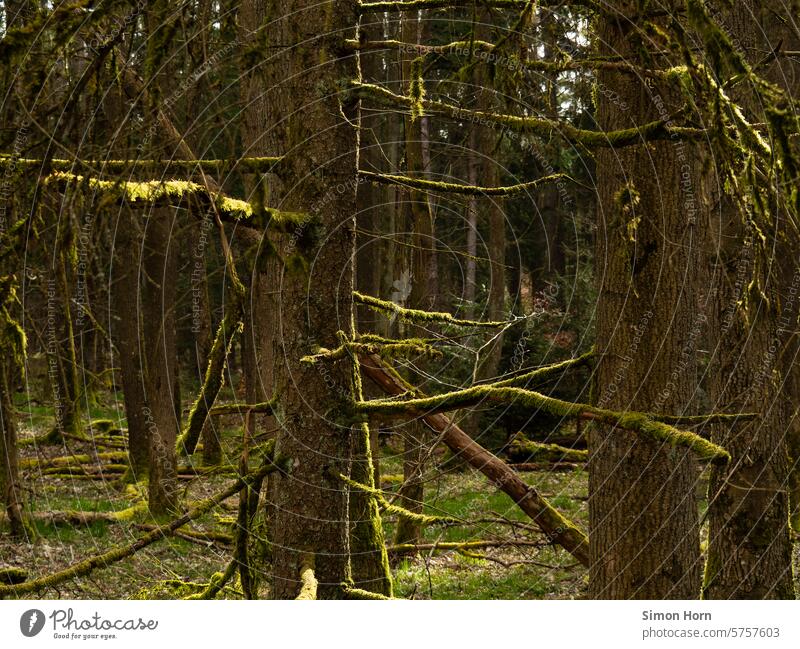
(455, 188)
(636, 422)
(83, 568)
(308, 582)
(522, 449)
(416, 315)
(652, 131)
(421, 519)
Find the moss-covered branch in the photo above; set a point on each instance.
(637, 422)
(216, 583)
(83, 568)
(12, 576)
(522, 449)
(396, 349)
(455, 188)
(547, 372)
(350, 592)
(266, 407)
(555, 526)
(488, 52)
(448, 546)
(308, 582)
(385, 505)
(172, 192)
(416, 315)
(162, 168)
(544, 127)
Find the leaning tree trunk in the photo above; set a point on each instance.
(749, 546)
(319, 170)
(643, 518)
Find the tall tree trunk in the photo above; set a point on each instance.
(369, 563)
(260, 135)
(749, 548)
(643, 518)
(320, 151)
(158, 350)
(10, 496)
(127, 330)
(423, 293)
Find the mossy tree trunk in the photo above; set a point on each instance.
(749, 548)
(159, 270)
(643, 518)
(490, 208)
(320, 145)
(125, 328)
(368, 559)
(259, 138)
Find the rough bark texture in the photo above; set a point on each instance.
(10, 496)
(158, 350)
(319, 174)
(643, 517)
(749, 549)
(124, 295)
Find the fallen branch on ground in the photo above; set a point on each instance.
(555, 526)
(83, 568)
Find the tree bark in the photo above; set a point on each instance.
(423, 294)
(749, 549)
(158, 350)
(320, 148)
(643, 518)
(124, 293)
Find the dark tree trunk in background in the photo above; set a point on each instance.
(10, 496)
(158, 349)
(261, 136)
(368, 562)
(126, 332)
(643, 518)
(321, 153)
(423, 292)
(749, 548)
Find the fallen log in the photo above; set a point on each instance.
(557, 528)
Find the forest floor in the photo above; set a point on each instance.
(181, 565)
